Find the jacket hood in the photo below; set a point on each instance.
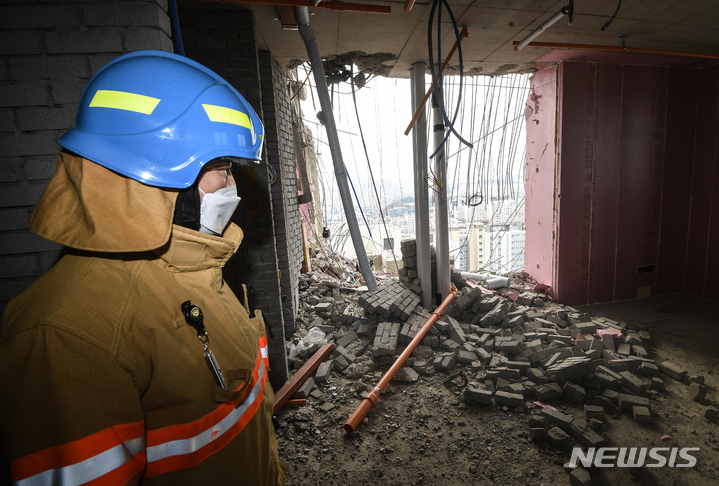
(88, 207)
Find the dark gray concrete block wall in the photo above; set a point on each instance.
(281, 158)
(48, 52)
(222, 38)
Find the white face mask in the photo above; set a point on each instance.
(216, 209)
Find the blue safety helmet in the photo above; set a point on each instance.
(158, 118)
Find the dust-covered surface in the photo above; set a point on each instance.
(430, 426)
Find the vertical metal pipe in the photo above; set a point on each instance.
(308, 36)
(441, 218)
(421, 200)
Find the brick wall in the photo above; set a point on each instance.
(222, 37)
(281, 158)
(48, 53)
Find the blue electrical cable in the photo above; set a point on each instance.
(441, 84)
(438, 82)
(176, 27)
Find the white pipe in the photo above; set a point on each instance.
(493, 281)
(535, 33)
(421, 200)
(441, 218)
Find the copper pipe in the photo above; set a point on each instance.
(408, 5)
(293, 384)
(463, 35)
(297, 402)
(595, 47)
(331, 5)
(370, 399)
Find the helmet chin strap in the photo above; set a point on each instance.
(187, 208)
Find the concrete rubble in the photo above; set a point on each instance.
(518, 349)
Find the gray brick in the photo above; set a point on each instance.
(626, 402)
(641, 414)
(549, 391)
(585, 436)
(9, 171)
(673, 370)
(304, 390)
(558, 437)
(49, 67)
(633, 382)
(512, 400)
(127, 14)
(574, 392)
(39, 16)
(83, 42)
(35, 119)
(14, 43)
(7, 120)
(560, 419)
(35, 94)
(18, 195)
(14, 219)
(20, 266)
(144, 38)
(19, 242)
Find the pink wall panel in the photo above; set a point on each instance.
(703, 239)
(677, 180)
(576, 137)
(540, 117)
(642, 146)
(605, 190)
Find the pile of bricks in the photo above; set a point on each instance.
(520, 350)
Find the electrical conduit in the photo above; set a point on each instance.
(370, 400)
(308, 36)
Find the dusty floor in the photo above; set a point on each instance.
(424, 433)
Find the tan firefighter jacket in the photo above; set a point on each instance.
(102, 378)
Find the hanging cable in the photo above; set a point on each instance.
(369, 166)
(437, 82)
(608, 22)
(176, 27)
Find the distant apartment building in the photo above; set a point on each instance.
(466, 245)
(504, 246)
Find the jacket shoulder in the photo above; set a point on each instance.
(81, 295)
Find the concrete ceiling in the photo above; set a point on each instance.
(391, 43)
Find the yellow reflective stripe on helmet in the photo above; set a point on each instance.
(122, 100)
(222, 114)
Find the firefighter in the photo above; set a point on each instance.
(131, 361)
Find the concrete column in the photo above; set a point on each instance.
(421, 199)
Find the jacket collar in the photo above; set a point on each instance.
(190, 250)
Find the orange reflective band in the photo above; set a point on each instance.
(182, 446)
(264, 350)
(111, 456)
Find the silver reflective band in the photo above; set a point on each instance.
(187, 446)
(89, 469)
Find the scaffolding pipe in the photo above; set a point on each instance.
(441, 217)
(331, 5)
(634, 50)
(535, 33)
(308, 36)
(421, 199)
(370, 399)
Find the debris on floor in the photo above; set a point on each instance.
(512, 349)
